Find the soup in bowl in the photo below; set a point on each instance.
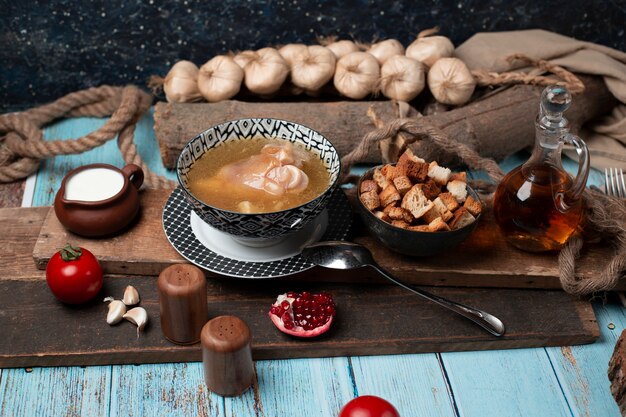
(258, 180)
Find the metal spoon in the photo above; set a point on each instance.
(345, 255)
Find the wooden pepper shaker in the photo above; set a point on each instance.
(227, 356)
(183, 300)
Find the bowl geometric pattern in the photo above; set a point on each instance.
(266, 225)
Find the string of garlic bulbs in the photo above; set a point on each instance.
(385, 67)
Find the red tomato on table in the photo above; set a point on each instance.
(368, 406)
(74, 275)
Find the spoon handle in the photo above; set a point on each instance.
(485, 320)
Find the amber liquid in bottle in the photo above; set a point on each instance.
(526, 210)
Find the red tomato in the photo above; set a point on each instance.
(368, 406)
(74, 275)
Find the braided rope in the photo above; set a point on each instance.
(23, 147)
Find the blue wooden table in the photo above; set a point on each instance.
(545, 382)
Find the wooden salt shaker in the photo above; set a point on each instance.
(183, 300)
(227, 356)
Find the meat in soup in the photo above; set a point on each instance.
(257, 176)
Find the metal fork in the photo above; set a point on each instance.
(614, 184)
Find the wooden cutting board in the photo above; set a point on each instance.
(37, 330)
(483, 260)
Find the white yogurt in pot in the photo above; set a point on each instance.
(93, 184)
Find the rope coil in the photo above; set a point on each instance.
(22, 147)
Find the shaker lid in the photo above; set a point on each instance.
(225, 334)
(181, 280)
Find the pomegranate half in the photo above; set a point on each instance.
(303, 314)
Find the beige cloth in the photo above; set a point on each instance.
(605, 138)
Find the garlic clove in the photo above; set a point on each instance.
(138, 316)
(131, 296)
(117, 309)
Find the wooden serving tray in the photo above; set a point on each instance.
(38, 330)
(483, 260)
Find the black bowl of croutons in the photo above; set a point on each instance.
(417, 208)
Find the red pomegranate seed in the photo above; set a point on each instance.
(285, 305)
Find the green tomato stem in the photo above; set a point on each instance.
(70, 253)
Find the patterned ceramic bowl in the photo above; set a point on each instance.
(262, 229)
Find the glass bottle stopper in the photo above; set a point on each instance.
(555, 100)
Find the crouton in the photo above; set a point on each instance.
(389, 194)
(390, 172)
(400, 223)
(441, 175)
(382, 216)
(416, 171)
(458, 189)
(388, 207)
(461, 176)
(461, 218)
(415, 202)
(380, 179)
(437, 211)
(473, 206)
(399, 213)
(444, 212)
(419, 228)
(403, 184)
(449, 201)
(438, 225)
(430, 189)
(409, 153)
(370, 200)
(369, 185)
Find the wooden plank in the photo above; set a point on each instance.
(314, 387)
(162, 390)
(70, 391)
(19, 225)
(483, 260)
(533, 318)
(519, 383)
(582, 373)
(414, 384)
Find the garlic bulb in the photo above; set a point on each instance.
(341, 48)
(428, 49)
(311, 66)
(451, 82)
(384, 50)
(291, 52)
(401, 78)
(220, 78)
(181, 83)
(356, 75)
(265, 70)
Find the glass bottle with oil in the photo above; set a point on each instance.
(537, 205)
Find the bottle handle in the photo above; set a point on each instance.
(572, 195)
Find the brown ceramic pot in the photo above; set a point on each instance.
(103, 217)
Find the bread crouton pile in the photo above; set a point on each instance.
(419, 196)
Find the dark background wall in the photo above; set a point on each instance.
(50, 48)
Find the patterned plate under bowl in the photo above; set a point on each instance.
(177, 226)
